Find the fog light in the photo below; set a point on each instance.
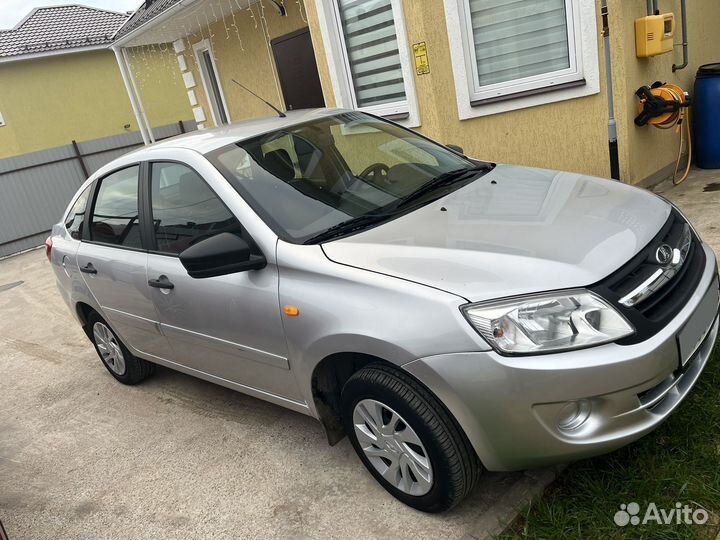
(574, 414)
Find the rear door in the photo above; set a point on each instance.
(66, 241)
(113, 262)
(226, 326)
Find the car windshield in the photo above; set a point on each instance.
(339, 174)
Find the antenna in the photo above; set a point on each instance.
(273, 107)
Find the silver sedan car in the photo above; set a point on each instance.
(449, 315)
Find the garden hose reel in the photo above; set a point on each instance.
(665, 106)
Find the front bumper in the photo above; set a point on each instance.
(509, 406)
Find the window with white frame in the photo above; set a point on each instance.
(369, 57)
(205, 59)
(515, 47)
(372, 53)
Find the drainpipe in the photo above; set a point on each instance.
(650, 7)
(133, 94)
(612, 123)
(686, 55)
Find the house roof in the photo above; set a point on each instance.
(145, 13)
(52, 29)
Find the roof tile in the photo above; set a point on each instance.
(59, 28)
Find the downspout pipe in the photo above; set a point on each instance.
(131, 89)
(686, 54)
(612, 122)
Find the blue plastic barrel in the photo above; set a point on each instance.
(707, 117)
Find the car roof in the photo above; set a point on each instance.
(208, 140)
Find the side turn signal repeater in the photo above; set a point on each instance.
(291, 311)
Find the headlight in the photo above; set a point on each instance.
(548, 323)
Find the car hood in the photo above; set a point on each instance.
(515, 230)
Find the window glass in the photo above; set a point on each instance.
(514, 40)
(185, 209)
(310, 177)
(115, 217)
(76, 216)
(371, 46)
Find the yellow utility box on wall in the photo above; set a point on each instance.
(654, 35)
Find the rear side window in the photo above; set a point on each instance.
(185, 210)
(115, 218)
(76, 216)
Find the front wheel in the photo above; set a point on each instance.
(407, 439)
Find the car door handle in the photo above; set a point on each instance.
(88, 269)
(161, 283)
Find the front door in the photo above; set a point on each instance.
(297, 71)
(226, 326)
(113, 263)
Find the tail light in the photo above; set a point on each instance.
(48, 248)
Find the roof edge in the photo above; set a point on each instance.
(160, 17)
(59, 52)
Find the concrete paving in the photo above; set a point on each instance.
(82, 456)
(699, 199)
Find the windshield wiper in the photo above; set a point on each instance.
(444, 180)
(349, 226)
(365, 221)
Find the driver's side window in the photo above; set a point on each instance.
(185, 210)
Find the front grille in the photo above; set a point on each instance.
(652, 314)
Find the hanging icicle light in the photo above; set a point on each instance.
(301, 7)
(227, 30)
(252, 14)
(234, 24)
(263, 20)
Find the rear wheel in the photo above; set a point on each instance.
(407, 439)
(115, 356)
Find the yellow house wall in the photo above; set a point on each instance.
(160, 86)
(568, 135)
(250, 63)
(49, 102)
(645, 151)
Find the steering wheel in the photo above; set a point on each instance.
(378, 171)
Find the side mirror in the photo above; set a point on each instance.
(456, 148)
(220, 255)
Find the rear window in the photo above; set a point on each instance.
(115, 218)
(76, 216)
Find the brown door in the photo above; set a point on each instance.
(297, 71)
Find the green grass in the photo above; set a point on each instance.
(678, 462)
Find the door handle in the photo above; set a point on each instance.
(88, 269)
(161, 283)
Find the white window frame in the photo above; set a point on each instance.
(198, 49)
(403, 112)
(581, 79)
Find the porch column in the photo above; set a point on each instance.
(134, 95)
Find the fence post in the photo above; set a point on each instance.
(79, 157)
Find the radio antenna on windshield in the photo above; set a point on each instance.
(273, 107)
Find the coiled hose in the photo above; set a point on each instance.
(665, 106)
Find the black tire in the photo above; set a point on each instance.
(454, 464)
(136, 369)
